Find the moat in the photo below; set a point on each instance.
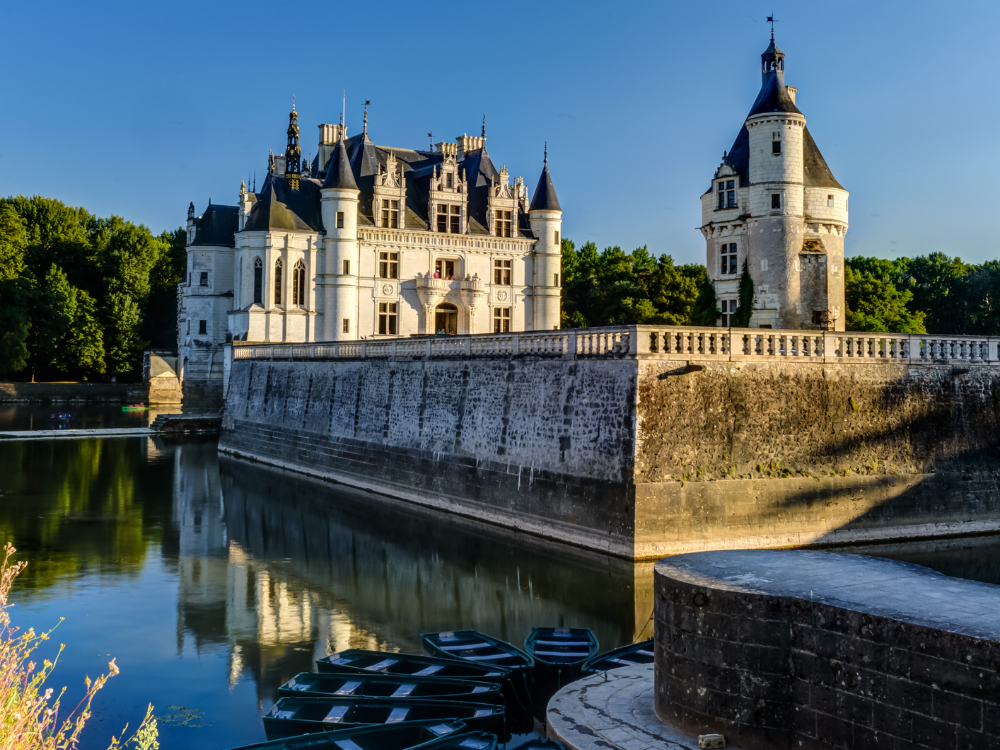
(212, 580)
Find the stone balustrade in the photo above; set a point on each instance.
(654, 342)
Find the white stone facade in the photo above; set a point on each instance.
(775, 204)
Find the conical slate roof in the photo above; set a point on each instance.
(545, 194)
(339, 173)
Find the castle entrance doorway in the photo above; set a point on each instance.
(446, 319)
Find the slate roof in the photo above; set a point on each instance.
(217, 226)
(339, 174)
(280, 207)
(545, 194)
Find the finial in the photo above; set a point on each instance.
(430, 137)
(343, 108)
(771, 20)
(255, 180)
(546, 153)
(484, 128)
(367, 102)
(293, 102)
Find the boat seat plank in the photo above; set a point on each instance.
(285, 714)
(574, 654)
(336, 714)
(382, 665)
(404, 690)
(398, 715)
(480, 689)
(428, 670)
(563, 643)
(472, 742)
(489, 657)
(462, 647)
(348, 688)
(347, 745)
(620, 660)
(645, 653)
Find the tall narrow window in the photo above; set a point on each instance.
(277, 281)
(388, 265)
(387, 318)
(731, 194)
(442, 216)
(445, 269)
(829, 201)
(502, 223)
(204, 278)
(340, 219)
(203, 327)
(555, 279)
(501, 320)
(347, 325)
(501, 272)
(347, 268)
(456, 220)
(390, 214)
(258, 281)
(728, 307)
(449, 180)
(299, 283)
(775, 201)
(776, 148)
(722, 195)
(557, 236)
(728, 253)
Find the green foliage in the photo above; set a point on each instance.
(613, 287)
(94, 291)
(876, 304)
(744, 304)
(705, 311)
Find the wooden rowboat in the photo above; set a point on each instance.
(406, 736)
(293, 716)
(390, 687)
(361, 661)
(559, 656)
(626, 656)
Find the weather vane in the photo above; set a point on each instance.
(771, 20)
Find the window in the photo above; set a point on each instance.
(444, 269)
(387, 318)
(347, 268)
(502, 224)
(390, 214)
(347, 325)
(501, 320)
(299, 283)
(829, 201)
(442, 214)
(258, 281)
(728, 308)
(501, 272)
(555, 279)
(776, 148)
(446, 319)
(728, 254)
(388, 265)
(203, 327)
(277, 281)
(449, 180)
(340, 219)
(557, 236)
(727, 194)
(204, 278)
(456, 220)
(775, 201)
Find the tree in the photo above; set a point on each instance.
(54, 312)
(82, 350)
(159, 326)
(14, 325)
(705, 311)
(875, 304)
(13, 242)
(744, 304)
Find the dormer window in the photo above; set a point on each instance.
(502, 223)
(728, 254)
(449, 180)
(390, 214)
(727, 194)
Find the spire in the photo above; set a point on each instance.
(545, 194)
(484, 128)
(293, 154)
(367, 102)
(339, 173)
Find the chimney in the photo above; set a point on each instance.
(467, 143)
(329, 137)
(792, 91)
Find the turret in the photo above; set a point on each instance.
(545, 215)
(190, 223)
(340, 220)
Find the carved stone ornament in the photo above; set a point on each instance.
(501, 296)
(387, 289)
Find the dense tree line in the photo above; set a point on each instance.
(82, 296)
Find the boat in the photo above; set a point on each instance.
(362, 661)
(405, 736)
(540, 744)
(293, 716)
(134, 407)
(391, 687)
(626, 656)
(480, 648)
(559, 656)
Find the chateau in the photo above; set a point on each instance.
(774, 203)
(369, 242)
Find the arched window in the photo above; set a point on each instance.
(299, 283)
(446, 319)
(258, 281)
(277, 281)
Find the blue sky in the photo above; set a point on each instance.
(138, 108)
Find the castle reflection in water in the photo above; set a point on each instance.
(281, 570)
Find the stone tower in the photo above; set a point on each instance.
(545, 215)
(339, 206)
(775, 204)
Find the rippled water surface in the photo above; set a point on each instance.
(212, 581)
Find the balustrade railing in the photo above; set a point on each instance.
(655, 342)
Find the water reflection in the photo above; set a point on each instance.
(68, 415)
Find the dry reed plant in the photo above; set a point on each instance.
(30, 712)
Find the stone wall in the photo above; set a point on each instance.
(810, 650)
(541, 446)
(643, 457)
